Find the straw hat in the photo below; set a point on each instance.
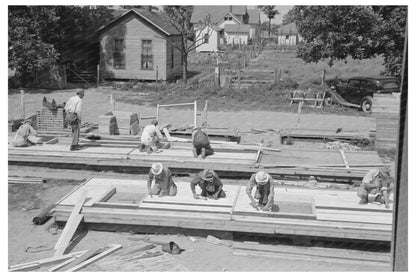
(261, 178)
(207, 175)
(156, 168)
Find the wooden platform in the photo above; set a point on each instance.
(333, 214)
(233, 161)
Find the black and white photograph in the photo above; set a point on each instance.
(210, 137)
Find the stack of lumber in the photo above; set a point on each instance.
(119, 123)
(386, 109)
(50, 119)
(305, 212)
(25, 180)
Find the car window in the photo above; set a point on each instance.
(354, 83)
(390, 85)
(367, 84)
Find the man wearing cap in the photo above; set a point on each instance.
(164, 185)
(264, 185)
(151, 138)
(376, 186)
(200, 142)
(210, 184)
(21, 138)
(73, 117)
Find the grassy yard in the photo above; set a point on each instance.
(295, 74)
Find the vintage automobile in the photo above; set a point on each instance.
(360, 90)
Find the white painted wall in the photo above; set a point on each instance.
(236, 38)
(213, 40)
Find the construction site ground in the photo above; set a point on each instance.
(25, 201)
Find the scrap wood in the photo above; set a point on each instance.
(70, 227)
(146, 255)
(38, 263)
(217, 241)
(58, 266)
(112, 249)
(87, 255)
(139, 249)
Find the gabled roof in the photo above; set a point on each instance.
(288, 29)
(253, 16)
(217, 12)
(237, 28)
(159, 20)
(230, 14)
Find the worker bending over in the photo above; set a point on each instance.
(21, 138)
(151, 138)
(73, 117)
(164, 185)
(210, 184)
(264, 185)
(200, 142)
(376, 186)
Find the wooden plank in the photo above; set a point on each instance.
(70, 228)
(46, 261)
(345, 160)
(87, 255)
(58, 266)
(112, 249)
(103, 197)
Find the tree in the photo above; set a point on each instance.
(180, 18)
(336, 32)
(28, 50)
(289, 17)
(271, 12)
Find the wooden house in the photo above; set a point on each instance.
(209, 25)
(237, 34)
(140, 44)
(288, 35)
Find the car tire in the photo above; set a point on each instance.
(367, 104)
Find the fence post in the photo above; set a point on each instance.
(217, 76)
(98, 75)
(22, 102)
(279, 77)
(157, 112)
(195, 113)
(275, 76)
(157, 73)
(323, 77)
(239, 73)
(65, 76)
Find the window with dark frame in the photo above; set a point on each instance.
(147, 56)
(119, 58)
(172, 56)
(206, 38)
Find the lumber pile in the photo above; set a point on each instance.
(119, 123)
(386, 109)
(25, 180)
(50, 119)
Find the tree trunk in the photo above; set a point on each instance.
(185, 67)
(270, 26)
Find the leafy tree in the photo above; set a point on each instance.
(28, 49)
(180, 17)
(271, 12)
(336, 32)
(289, 17)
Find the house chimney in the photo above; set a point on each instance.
(231, 9)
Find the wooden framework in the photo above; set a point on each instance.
(336, 214)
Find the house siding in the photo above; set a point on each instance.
(236, 38)
(292, 40)
(176, 71)
(133, 31)
(213, 40)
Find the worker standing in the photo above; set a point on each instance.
(151, 138)
(201, 144)
(264, 185)
(21, 138)
(210, 184)
(164, 185)
(73, 117)
(376, 186)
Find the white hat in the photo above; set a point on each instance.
(156, 168)
(261, 177)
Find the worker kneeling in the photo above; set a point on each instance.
(210, 184)
(21, 138)
(151, 139)
(264, 185)
(164, 185)
(200, 142)
(376, 186)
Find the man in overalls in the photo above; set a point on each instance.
(264, 185)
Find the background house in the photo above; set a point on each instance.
(139, 44)
(237, 34)
(288, 35)
(219, 17)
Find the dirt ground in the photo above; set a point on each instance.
(27, 242)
